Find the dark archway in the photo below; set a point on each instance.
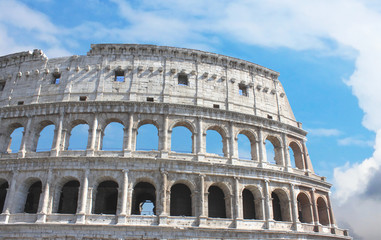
(106, 199)
(181, 200)
(277, 213)
(248, 205)
(3, 194)
(322, 211)
(144, 193)
(216, 202)
(69, 198)
(33, 198)
(304, 208)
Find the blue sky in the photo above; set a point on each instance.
(327, 52)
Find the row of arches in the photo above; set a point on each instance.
(182, 201)
(147, 138)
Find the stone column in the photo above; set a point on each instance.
(331, 216)
(9, 199)
(261, 147)
(294, 207)
(163, 215)
(237, 203)
(127, 142)
(314, 206)
(164, 138)
(201, 212)
(267, 203)
(123, 208)
(81, 216)
(200, 140)
(287, 159)
(92, 138)
(233, 144)
(25, 139)
(57, 138)
(306, 162)
(41, 216)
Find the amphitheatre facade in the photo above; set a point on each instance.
(91, 193)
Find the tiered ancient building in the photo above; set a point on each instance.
(61, 192)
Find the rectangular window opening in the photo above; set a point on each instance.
(269, 117)
(20, 103)
(216, 106)
(56, 78)
(82, 98)
(150, 99)
(183, 79)
(2, 85)
(119, 76)
(242, 90)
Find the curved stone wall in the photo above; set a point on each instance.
(196, 194)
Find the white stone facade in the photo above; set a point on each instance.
(166, 87)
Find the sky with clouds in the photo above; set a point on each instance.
(328, 53)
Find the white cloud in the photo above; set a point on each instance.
(323, 132)
(352, 141)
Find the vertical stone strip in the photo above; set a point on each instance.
(294, 207)
(267, 203)
(58, 137)
(123, 208)
(261, 147)
(41, 216)
(25, 139)
(287, 158)
(9, 200)
(81, 216)
(314, 207)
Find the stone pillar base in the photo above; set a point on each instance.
(81, 218)
(164, 154)
(90, 152)
(202, 221)
(200, 157)
(121, 219)
(4, 218)
(163, 220)
(54, 153)
(127, 153)
(41, 218)
(238, 223)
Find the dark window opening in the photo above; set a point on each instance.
(82, 98)
(322, 212)
(216, 203)
(69, 198)
(144, 199)
(269, 117)
(33, 197)
(106, 199)
(3, 194)
(304, 209)
(150, 99)
(56, 78)
(181, 200)
(119, 76)
(20, 103)
(248, 205)
(216, 106)
(2, 85)
(183, 79)
(277, 214)
(242, 90)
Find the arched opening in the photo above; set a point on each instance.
(106, 199)
(214, 142)
(216, 202)
(296, 156)
(304, 208)
(181, 140)
(15, 140)
(79, 137)
(144, 199)
(3, 194)
(322, 211)
(33, 197)
(181, 200)
(113, 137)
(273, 150)
(45, 141)
(248, 205)
(69, 198)
(147, 138)
(246, 147)
(281, 206)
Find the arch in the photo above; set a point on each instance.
(216, 141)
(147, 136)
(257, 200)
(15, 138)
(304, 208)
(216, 202)
(45, 135)
(33, 197)
(79, 135)
(296, 156)
(144, 193)
(112, 139)
(69, 197)
(3, 194)
(273, 150)
(181, 200)
(182, 139)
(106, 199)
(246, 145)
(322, 211)
(281, 206)
(248, 204)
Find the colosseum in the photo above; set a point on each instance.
(127, 192)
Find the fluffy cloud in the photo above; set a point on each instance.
(323, 132)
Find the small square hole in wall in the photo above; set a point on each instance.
(56, 78)
(242, 90)
(150, 99)
(119, 76)
(20, 103)
(183, 79)
(82, 98)
(216, 106)
(2, 85)
(269, 117)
